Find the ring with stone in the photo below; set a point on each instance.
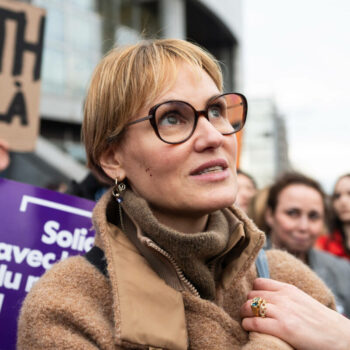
(258, 307)
(262, 308)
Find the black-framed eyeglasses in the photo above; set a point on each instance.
(175, 121)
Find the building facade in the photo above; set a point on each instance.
(264, 146)
(78, 33)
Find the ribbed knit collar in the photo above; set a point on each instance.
(197, 254)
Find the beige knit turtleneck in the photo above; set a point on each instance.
(197, 254)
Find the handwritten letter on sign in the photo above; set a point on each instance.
(21, 45)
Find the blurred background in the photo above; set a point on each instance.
(296, 55)
(290, 58)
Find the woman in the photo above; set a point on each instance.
(338, 243)
(246, 189)
(257, 209)
(175, 260)
(296, 212)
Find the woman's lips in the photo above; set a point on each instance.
(212, 171)
(211, 167)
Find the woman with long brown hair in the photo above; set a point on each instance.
(338, 241)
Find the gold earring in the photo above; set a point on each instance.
(117, 190)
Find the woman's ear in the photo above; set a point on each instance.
(111, 163)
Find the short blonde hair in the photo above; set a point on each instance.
(127, 79)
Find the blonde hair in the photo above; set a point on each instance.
(129, 78)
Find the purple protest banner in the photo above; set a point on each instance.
(38, 227)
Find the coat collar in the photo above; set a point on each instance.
(147, 311)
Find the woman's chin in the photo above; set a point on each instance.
(216, 203)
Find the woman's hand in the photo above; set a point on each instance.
(296, 318)
(4, 155)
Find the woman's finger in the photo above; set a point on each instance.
(4, 144)
(246, 310)
(4, 158)
(267, 295)
(268, 284)
(262, 325)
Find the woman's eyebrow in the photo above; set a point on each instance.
(214, 96)
(170, 99)
(292, 208)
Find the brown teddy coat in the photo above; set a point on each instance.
(75, 306)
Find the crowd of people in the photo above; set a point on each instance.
(298, 217)
(176, 265)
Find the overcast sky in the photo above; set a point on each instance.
(298, 52)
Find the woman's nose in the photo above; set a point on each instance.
(303, 223)
(344, 199)
(206, 135)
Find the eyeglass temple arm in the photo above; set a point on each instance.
(236, 105)
(112, 138)
(140, 120)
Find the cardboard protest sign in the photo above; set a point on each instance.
(38, 227)
(21, 45)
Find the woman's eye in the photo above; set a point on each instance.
(336, 196)
(314, 216)
(215, 111)
(170, 119)
(293, 213)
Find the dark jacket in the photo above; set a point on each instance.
(335, 272)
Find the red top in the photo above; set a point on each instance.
(334, 244)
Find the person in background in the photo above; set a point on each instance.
(58, 186)
(4, 155)
(246, 189)
(257, 209)
(296, 215)
(338, 241)
(91, 187)
(174, 258)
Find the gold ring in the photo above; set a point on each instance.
(258, 307)
(263, 309)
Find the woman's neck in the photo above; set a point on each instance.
(303, 256)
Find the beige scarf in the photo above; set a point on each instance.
(197, 254)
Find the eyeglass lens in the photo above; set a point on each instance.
(176, 120)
